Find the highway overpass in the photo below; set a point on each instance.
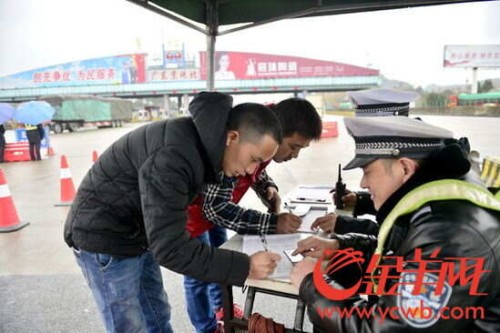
(151, 89)
(129, 76)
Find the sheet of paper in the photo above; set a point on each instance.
(310, 217)
(275, 243)
(307, 213)
(312, 194)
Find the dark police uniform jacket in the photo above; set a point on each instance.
(460, 228)
(134, 197)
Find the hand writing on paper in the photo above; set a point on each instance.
(288, 223)
(263, 264)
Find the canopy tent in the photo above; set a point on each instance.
(212, 14)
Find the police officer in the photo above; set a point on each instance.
(439, 241)
(368, 103)
(376, 103)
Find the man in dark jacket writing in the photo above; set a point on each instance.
(129, 215)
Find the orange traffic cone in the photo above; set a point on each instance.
(67, 186)
(9, 221)
(95, 156)
(50, 151)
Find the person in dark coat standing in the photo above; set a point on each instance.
(129, 214)
(35, 134)
(2, 142)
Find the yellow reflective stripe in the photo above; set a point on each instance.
(29, 127)
(486, 169)
(494, 179)
(493, 174)
(446, 189)
(490, 173)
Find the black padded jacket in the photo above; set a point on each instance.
(134, 197)
(460, 229)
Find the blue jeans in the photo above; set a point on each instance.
(203, 298)
(128, 291)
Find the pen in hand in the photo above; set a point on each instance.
(264, 242)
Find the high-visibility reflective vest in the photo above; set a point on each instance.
(446, 189)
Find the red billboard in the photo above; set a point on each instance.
(243, 65)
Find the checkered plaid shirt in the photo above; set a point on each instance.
(219, 208)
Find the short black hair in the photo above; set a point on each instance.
(299, 116)
(253, 121)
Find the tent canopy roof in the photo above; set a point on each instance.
(257, 12)
(212, 14)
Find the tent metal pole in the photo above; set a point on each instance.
(212, 30)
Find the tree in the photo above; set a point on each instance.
(435, 99)
(486, 86)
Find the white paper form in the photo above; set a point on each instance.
(277, 244)
(311, 216)
(314, 194)
(307, 213)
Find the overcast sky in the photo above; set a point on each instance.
(404, 44)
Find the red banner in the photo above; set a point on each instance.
(242, 65)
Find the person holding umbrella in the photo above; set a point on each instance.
(34, 112)
(2, 142)
(6, 113)
(34, 133)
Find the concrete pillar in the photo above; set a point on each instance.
(184, 104)
(179, 102)
(474, 81)
(166, 105)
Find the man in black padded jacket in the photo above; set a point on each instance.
(438, 244)
(129, 215)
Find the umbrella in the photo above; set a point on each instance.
(6, 112)
(34, 112)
